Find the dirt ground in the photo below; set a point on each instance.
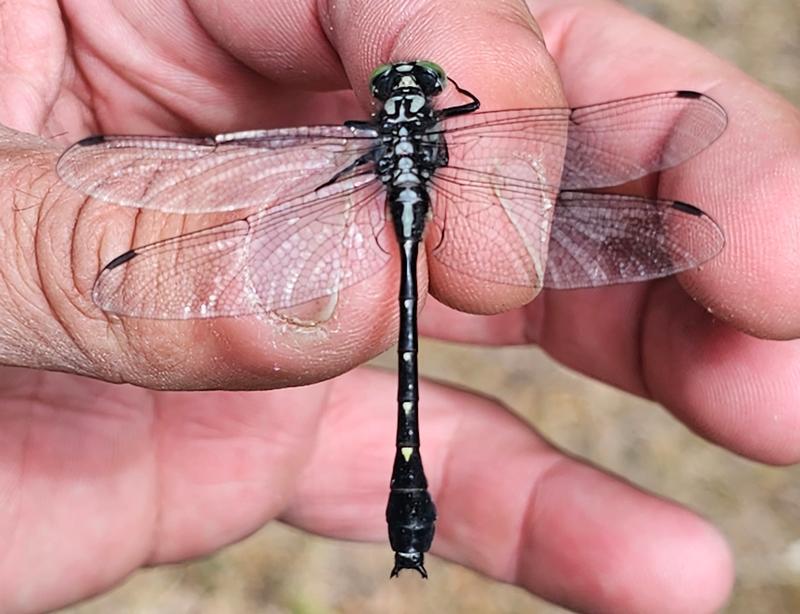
(282, 570)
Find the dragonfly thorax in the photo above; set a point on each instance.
(410, 154)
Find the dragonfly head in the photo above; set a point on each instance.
(426, 77)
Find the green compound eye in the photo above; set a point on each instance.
(382, 69)
(434, 67)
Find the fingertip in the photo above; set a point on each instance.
(595, 543)
(706, 570)
(515, 69)
(469, 294)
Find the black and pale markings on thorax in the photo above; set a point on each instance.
(411, 153)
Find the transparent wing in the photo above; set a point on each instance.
(615, 142)
(222, 173)
(276, 258)
(494, 202)
(492, 227)
(604, 144)
(603, 239)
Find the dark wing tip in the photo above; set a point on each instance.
(687, 208)
(121, 259)
(717, 242)
(95, 139)
(710, 102)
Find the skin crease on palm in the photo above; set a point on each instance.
(98, 479)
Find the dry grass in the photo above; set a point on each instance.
(282, 570)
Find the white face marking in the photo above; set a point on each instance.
(408, 81)
(406, 358)
(407, 452)
(407, 406)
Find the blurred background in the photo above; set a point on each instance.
(283, 570)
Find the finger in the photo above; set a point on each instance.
(515, 70)
(511, 506)
(747, 180)
(339, 44)
(52, 253)
(31, 65)
(197, 67)
(738, 391)
(153, 477)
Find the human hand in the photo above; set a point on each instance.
(107, 478)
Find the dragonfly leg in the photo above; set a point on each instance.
(365, 159)
(473, 105)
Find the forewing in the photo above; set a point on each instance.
(602, 145)
(475, 139)
(622, 140)
(230, 171)
(603, 239)
(277, 258)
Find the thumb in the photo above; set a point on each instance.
(53, 243)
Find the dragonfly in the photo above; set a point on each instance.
(515, 197)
